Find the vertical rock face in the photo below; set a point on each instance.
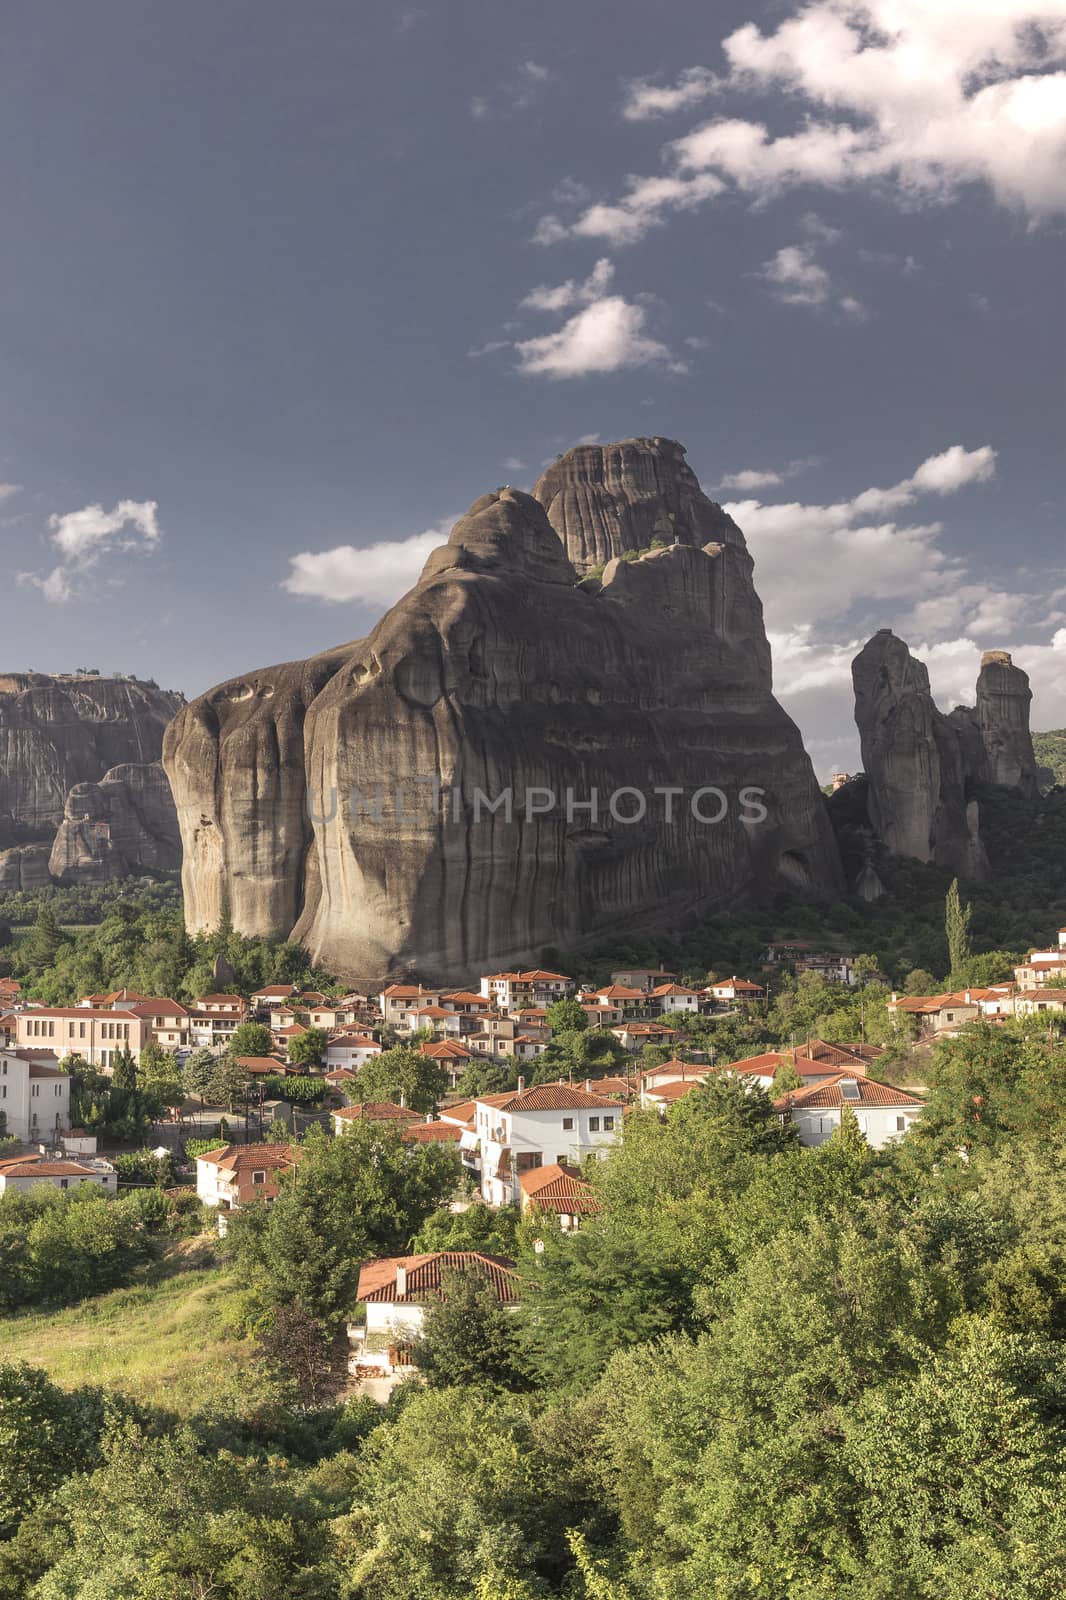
(124, 824)
(923, 766)
(59, 734)
(1003, 701)
(603, 499)
(56, 732)
(461, 759)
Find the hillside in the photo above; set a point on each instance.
(1050, 750)
(166, 1340)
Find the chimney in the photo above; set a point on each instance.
(521, 1084)
(401, 1279)
(403, 1100)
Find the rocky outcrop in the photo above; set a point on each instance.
(1002, 715)
(125, 824)
(924, 768)
(24, 866)
(58, 733)
(604, 500)
(440, 753)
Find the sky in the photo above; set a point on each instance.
(285, 288)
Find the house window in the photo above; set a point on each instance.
(608, 1124)
(259, 1177)
(594, 1124)
(568, 1123)
(64, 1183)
(901, 1123)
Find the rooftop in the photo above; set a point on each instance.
(381, 1283)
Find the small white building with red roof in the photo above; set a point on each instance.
(883, 1112)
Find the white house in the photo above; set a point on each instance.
(1040, 966)
(34, 1095)
(397, 1291)
(96, 1035)
(350, 1049)
(234, 1174)
(882, 1112)
(671, 997)
(527, 1128)
(511, 991)
(1040, 1000)
(22, 1172)
(732, 991)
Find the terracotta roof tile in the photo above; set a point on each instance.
(377, 1280)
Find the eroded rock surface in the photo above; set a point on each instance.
(499, 674)
(924, 767)
(125, 824)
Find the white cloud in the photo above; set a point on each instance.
(479, 106)
(917, 98)
(86, 538)
(570, 293)
(605, 336)
(750, 478)
(8, 489)
(376, 575)
(645, 99)
(514, 463)
(534, 72)
(488, 349)
(796, 277)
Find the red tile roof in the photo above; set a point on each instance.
(675, 1090)
(261, 1065)
(547, 1097)
(556, 1188)
(38, 1167)
(446, 1050)
(828, 1093)
(378, 1111)
(240, 1157)
(377, 1280)
(431, 1133)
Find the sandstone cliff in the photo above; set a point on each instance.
(124, 824)
(498, 673)
(923, 767)
(59, 733)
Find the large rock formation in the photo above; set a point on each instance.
(58, 733)
(924, 768)
(124, 824)
(499, 674)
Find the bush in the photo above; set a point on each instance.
(297, 1091)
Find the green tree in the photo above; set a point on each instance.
(957, 927)
(307, 1049)
(251, 1039)
(401, 1073)
(198, 1073)
(156, 1065)
(46, 1433)
(355, 1198)
(46, 939)
(467, 1337)
(567, 1016)
(123, 1069)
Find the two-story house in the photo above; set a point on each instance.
(883, 1113)
(34, 1096)
(96, 1036)
(521, 1129)
(235, 1174)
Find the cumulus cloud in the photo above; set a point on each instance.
(605, 336)
(8, 489)
(796, 277)
(645, 99)
(570, 293)
(917, 98)
(375, 575)
(751, 478)
(87, 538)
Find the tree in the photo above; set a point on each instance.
(230, 1081)
(919, 982)
(786, 1080)
(156, 1065)
(307, 1049)
(47, 1434)
(123, 1069)
(401, 1074)
(567, 1016)
(199, 1072)
(46, 939)
(957, 927)
(356, 1198)
(467, 1337)
(848, 1133)
(251, 1039)
(297, 1346)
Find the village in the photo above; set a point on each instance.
(527, 1146)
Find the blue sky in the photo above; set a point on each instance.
(285, 288)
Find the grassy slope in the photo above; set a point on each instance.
(166, 1341)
